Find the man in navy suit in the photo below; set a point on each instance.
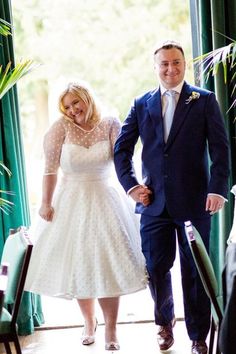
(178, 185)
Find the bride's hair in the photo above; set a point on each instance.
(93, 114)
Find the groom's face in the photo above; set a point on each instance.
(170, 67)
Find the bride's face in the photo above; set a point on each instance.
(75, 108)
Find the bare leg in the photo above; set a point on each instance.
(87, 307)
(110, 308)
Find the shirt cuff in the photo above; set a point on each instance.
(130, 190)
(218, 195)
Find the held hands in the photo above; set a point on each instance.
(141, 194)
(46, 212)
(214, 203)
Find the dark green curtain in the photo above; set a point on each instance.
(212, 22)
(12, 155)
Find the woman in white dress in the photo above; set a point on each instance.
(87, 243)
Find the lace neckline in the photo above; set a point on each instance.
(90, 130)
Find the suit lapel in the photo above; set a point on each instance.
(155, 111)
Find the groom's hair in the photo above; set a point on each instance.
(168, 45)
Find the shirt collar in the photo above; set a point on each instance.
(178, 88)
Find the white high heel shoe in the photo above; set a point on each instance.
(112, 346)
(87, 339)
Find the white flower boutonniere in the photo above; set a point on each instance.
(194, 96)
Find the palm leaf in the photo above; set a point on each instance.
(9, 78)
(5, 205)
(5, 169)
(224, 57)
(5, 28)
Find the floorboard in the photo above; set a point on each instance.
(134, 338)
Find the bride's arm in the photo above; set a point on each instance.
(52, 145)
(46, 210)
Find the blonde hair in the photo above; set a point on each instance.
(93, 114)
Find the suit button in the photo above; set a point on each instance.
(165, 176)
(166, 155)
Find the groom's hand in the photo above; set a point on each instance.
(214, 203)
(141, 194)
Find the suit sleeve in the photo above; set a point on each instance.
(218, 148)
(124, 150)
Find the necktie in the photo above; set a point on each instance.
(169, 113)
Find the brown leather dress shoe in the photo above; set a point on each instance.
(199, 347)
(165, 336)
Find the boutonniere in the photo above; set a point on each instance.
(194, 96)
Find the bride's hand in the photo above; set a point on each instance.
(141, 194)
(46, 212)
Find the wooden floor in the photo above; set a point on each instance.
(136, 330)
(137, 338)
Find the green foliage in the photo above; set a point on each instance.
(9, 78)
(5, 205)
(224, 57)
(4, 27)
(3, 167)
(107, 43)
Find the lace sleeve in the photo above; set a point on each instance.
(52, 144)
(114, 132)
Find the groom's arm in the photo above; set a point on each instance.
(124, 151)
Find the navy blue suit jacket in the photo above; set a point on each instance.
(177, 172)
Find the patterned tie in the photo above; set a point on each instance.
(169, 113)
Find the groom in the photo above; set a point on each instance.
(177, 185)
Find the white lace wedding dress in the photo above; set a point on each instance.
(92, 248)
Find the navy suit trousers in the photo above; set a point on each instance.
(159, 236)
